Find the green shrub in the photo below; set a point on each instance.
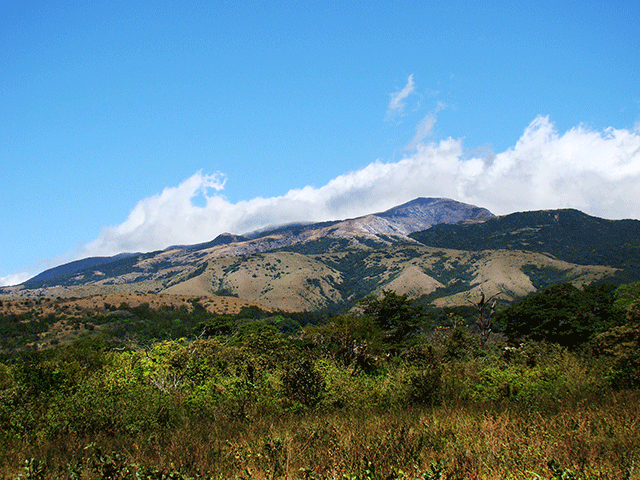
(354, 342)
(425, 377)
(426, 386)
(356, 390)
(621, 346)
(303, 383)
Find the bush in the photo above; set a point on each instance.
(533, 373)
(354, 342)
(425, 377)
(303, 383)
(621, 345)
(426, 386)
(461, 344)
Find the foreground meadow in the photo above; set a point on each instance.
(586, 440)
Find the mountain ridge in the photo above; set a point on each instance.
(567, 234)
(364, 224)
(331, 265)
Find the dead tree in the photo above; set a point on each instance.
(485, 308)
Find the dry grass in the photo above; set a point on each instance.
(294, 282)
(79, 306)
(595, 439)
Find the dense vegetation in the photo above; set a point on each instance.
(546, 388)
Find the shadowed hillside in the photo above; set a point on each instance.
(568, 235)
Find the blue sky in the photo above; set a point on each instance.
(132, 126)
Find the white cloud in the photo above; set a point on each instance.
(396, 105)
(596, 172)
(14, 279)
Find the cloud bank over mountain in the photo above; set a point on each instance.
(597, 172)
(14, 279)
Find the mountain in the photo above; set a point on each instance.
(568, 235)
(75, 266)
(439, 250)
(423, 213)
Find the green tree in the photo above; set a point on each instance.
(349, 340)
(627, 301)
(561, 314)
(425, 377)
(395, 314)
(622, 345)
(302, 382)
(220, 325)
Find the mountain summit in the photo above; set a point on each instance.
(423, 213)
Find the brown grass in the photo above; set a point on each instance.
(79, 306)
(595, 439)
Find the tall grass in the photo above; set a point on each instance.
(595, 438)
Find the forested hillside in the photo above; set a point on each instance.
(568, 235)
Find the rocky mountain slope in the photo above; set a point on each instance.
(331, 265)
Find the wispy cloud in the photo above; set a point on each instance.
(595, 171)
(424, 128)
(397, 104)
